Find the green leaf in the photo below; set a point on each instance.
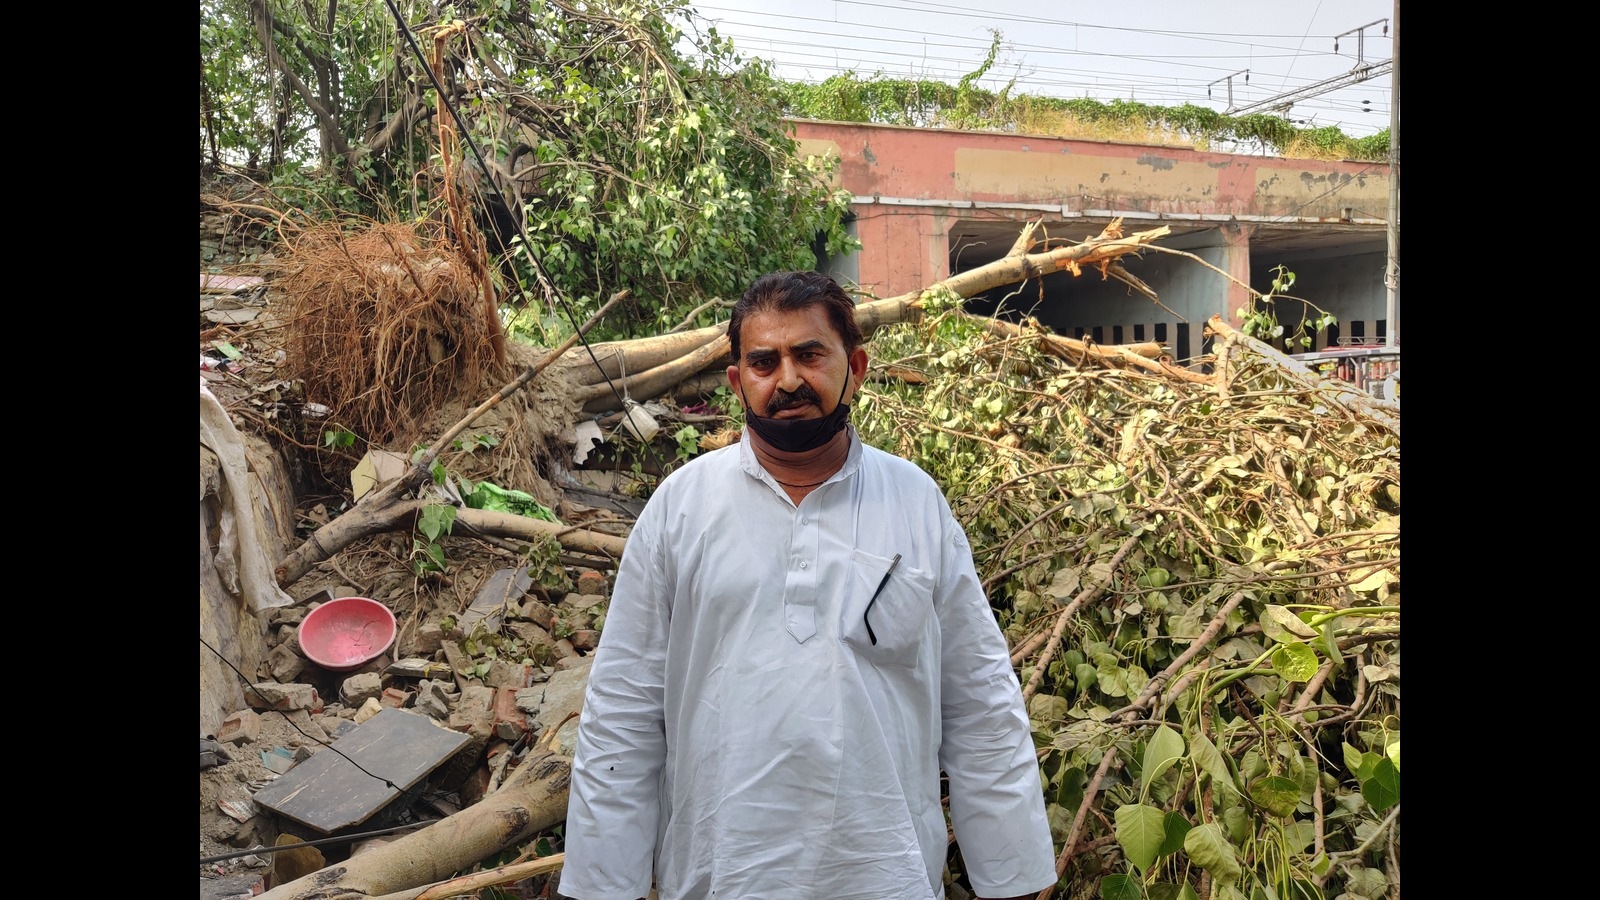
(1164, 749)
(1209, 760)
(1352, 757)
(1368, 765)
(1276, 794)
(1238, 822)
(1393, 752)
(1294, 662)
(1162, 890)
(1176, 827)
(1366, 882)
(436, 519)
(1330, 646)
(1209, 849)
(1282, 625)
(1070, 792)
(1140, 831)
(1120, 887)
(1382, 788)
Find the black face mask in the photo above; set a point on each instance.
(799, 435)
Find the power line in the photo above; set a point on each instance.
(965, 12)
(1178, 89)
(1155, 58)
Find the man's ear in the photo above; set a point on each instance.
(858, 366)
(733, 379)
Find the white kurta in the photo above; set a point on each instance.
(743, 736)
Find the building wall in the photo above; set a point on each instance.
(1091, 176)
(915, 187)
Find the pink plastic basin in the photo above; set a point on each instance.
(346, 633)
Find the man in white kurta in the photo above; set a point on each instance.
(752, 729)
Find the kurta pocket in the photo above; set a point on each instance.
(892, 629)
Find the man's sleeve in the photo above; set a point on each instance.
(614, 803)
(996, 798)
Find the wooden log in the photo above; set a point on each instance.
(534, 799)
(627, 358)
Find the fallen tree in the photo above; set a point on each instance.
(1198, 571)
(659, 364)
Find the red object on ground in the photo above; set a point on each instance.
(346, 633)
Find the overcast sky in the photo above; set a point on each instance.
(1164, 52)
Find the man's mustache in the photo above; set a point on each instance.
(782, 399)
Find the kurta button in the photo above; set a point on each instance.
(804, 521)
(803, 564)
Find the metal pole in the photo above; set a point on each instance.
(1392, 270)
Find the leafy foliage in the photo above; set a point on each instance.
(853, 97)
(636, 155)
(1218, 567)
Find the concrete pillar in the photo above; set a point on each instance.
(903, 249)
(1236, 262)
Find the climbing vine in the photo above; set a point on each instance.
(877, 98)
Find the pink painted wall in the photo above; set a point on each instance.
(906, 246)
(934, 164)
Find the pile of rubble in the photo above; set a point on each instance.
(402, 741)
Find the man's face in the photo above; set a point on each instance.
(793, 365)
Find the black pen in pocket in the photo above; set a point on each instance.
(892, 563)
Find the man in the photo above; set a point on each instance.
(797, 644)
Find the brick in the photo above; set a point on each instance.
(582, 602)
(474, 712)
(585, 639)
(368, 709)
(429, 639)
(286, 663)
(361, 687)
(396, 698)
(504, 673)
(283, 697)
(509, 721)
(591, 582)
(243, 727)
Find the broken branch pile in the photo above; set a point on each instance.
(1198, 573)
(1200, 578)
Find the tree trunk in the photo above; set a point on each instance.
(664, 363)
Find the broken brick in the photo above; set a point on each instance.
(509, 722)
(243, 727)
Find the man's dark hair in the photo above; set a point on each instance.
(791, 291)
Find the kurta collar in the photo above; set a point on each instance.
(753, 467)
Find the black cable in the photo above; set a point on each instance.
(386, 782)
(316, 843)
(522, 229)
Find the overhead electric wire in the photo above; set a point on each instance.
(1208, 37)
(1177, 89)
(966, 12)
(1156, 58)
